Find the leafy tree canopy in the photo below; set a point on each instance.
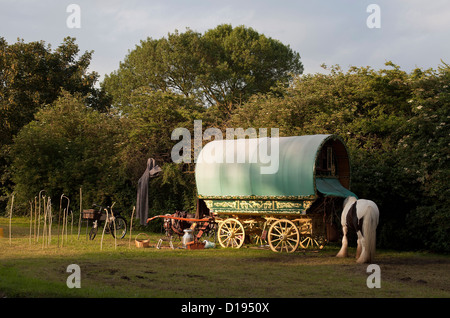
(32, 75)
(222, 67)
(69, 145)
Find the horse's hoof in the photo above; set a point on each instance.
(362, 260)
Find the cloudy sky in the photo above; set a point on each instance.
(412, 33)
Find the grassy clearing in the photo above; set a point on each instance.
(29, 270)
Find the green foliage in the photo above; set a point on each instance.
(153, 116)
(66, 147)
(395, 124)
(222, 67)
(32, 76)
(150, 120)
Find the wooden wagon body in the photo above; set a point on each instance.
(284, 191)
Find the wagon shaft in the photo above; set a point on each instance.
(179, 218)
(202, 225)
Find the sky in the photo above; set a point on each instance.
(410, 33)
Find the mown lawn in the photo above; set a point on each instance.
(32, 270)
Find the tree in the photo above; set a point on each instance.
(151, 119)
(68, 146)
(396, 127)
(424, 154)
(221, 68)
(31, 76)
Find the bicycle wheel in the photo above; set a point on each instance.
(121, 227)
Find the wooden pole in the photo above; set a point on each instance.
(10, 217)
(114, 225)
(35, 218)
(31, 218)
(64, 222)
(104, 227)
(131, 226)
(44, 226)
(79, 221)
(50, 220)
(59, 215)
(39, 217)
(67, 215)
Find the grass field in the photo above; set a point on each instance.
(27, 269)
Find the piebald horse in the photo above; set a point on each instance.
(362, 217)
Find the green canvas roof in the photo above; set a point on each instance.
(292, 173)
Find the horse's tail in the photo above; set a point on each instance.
(370, 224)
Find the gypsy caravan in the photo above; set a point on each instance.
(287, 199)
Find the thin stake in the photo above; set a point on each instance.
(131, 226)
(31, 218)
(50, 221)
(39, 218)
(79, 221)
(59, 215)
(35, 218)
(71, 224)
(104, 227)
(67, 215)
(114, 224)
(44, 227)
(64, 222)
(10, 217)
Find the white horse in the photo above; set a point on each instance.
(361, 216)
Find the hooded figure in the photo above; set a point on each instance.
(142, 194)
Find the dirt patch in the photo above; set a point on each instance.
(428, 271)
(432, 272)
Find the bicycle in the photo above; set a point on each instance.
(116, 224)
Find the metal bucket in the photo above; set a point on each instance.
(187, 237)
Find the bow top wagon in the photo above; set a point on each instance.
(287, 199)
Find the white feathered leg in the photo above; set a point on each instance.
(359, 246)
(344, 251)
(362, 256)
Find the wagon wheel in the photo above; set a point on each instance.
(283, 236)
(312, 242)
(231, 233)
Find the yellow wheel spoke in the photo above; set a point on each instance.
(231, 233)
(283, 236)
